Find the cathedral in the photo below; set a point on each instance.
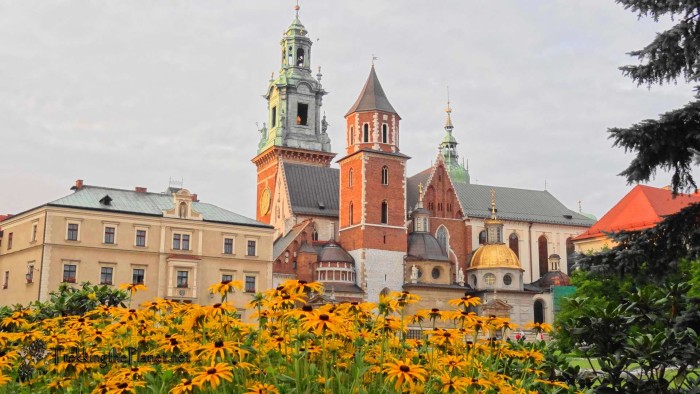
(364, 227)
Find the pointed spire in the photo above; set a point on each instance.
(493, 204)
(420, 192)
(372, 97)
(448, 121)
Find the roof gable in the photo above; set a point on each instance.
(641, 208)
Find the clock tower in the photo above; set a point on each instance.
(295, 130)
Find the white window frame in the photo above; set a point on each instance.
(245, 277)
(181, 233)
(6, 280)
(233, 244)
(77, 222)
(256, 247)
(30, 272)
(63, 270)
(113, 266)
(145, 240)
(115, 226)
(35, 231)
(139, 267)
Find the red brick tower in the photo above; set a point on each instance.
(373, 191)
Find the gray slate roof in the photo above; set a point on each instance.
(523, 205)
(311, 187)
(284, 241)
(152, 204)
(372, 97)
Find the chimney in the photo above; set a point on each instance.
(140, 189)
(194, 197)
(78, 185)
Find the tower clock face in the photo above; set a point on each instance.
(265, 201)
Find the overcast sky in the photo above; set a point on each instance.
(126, 93)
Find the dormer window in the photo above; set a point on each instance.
(106, 200)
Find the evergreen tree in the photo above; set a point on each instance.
(672, 142)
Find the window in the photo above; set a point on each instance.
(385, 212)
(251, 247)
(249, 284)
(507, 280)
(513, 244)
(474, 280)
(290, 56)
(182, 278)
(350, 178)
(34, 231)
(385, 134)
(302, 114)
(352, 135)
(9, 241)
(228, 245)
(482, 237)
(109, 235)
(365, 133)
(106, 275)
(273, 121)
(435, 273)
(69, 272)
(72, 232)
(181, 241)
(6, 281)
(385, 175)
(138, 275)
(350, 213)
(442, 238)
(300, 57)
(314, 235)
(490, 279)
(141, 238)
(226, 278)
(30, 273)
(543, 255)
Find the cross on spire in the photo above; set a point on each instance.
(373, 59)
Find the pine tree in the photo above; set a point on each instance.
(672, 142)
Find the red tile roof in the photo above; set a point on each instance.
(3, 217)
(641, 208)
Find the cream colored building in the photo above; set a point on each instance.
(171, 242)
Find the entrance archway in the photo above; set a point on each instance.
(539, 311)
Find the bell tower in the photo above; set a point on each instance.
(373, 191)
(295, 130)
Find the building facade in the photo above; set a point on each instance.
(171, 242)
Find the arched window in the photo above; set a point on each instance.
(352, 135)
(441, 236)
(385, 134)
(513, 244)
(183, 210)
(365, 130)
(539, 311)
(543, 255)
(290, 56)
(385, 212)
(350, 214)
(482, 237)
(385, 175)
(300, 57)
(474, 280)
(314, 235)
(350, 178)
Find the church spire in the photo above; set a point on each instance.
(494, 227)
(448, 148)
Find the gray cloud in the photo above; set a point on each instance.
(126, 93)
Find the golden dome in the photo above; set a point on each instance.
(494, 256)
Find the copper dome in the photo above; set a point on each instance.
(554, 278)
(332, 252)
(423, 246)
(494, 256)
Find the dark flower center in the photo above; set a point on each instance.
(286, 297)
(324, 317)
(132, 310)
(404, 368)
(225, 282)
(219, 344)
(122, 385)
(434, 310)
(217, 305)
(211, 371)
(307, 308)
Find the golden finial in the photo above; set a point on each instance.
(420, 192)
(493, 204)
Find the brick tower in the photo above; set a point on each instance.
(373, 191)
(296, 129)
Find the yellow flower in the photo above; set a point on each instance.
(465, 301)
(132, 287)
(92, 296)
(225, 286)
(4, 379)
(213, 375)
(262, 388)
(219, 309)
(319, 321)
(184, 387)
(450, 384)
(404, 372)
(217, 348)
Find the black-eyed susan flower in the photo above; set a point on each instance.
(404, 372)
(185, 386)
(262, 388)
(213, 375)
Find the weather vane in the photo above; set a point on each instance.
(373, 59)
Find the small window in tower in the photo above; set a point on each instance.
(366, 133)
(302, 114)
(385, 134)
(385, 212)
(482, 237)
(385, 175)
(300, 57)
(290, 56)
(273, 121)
(350, 178)
(352, 135)
(350, 214)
